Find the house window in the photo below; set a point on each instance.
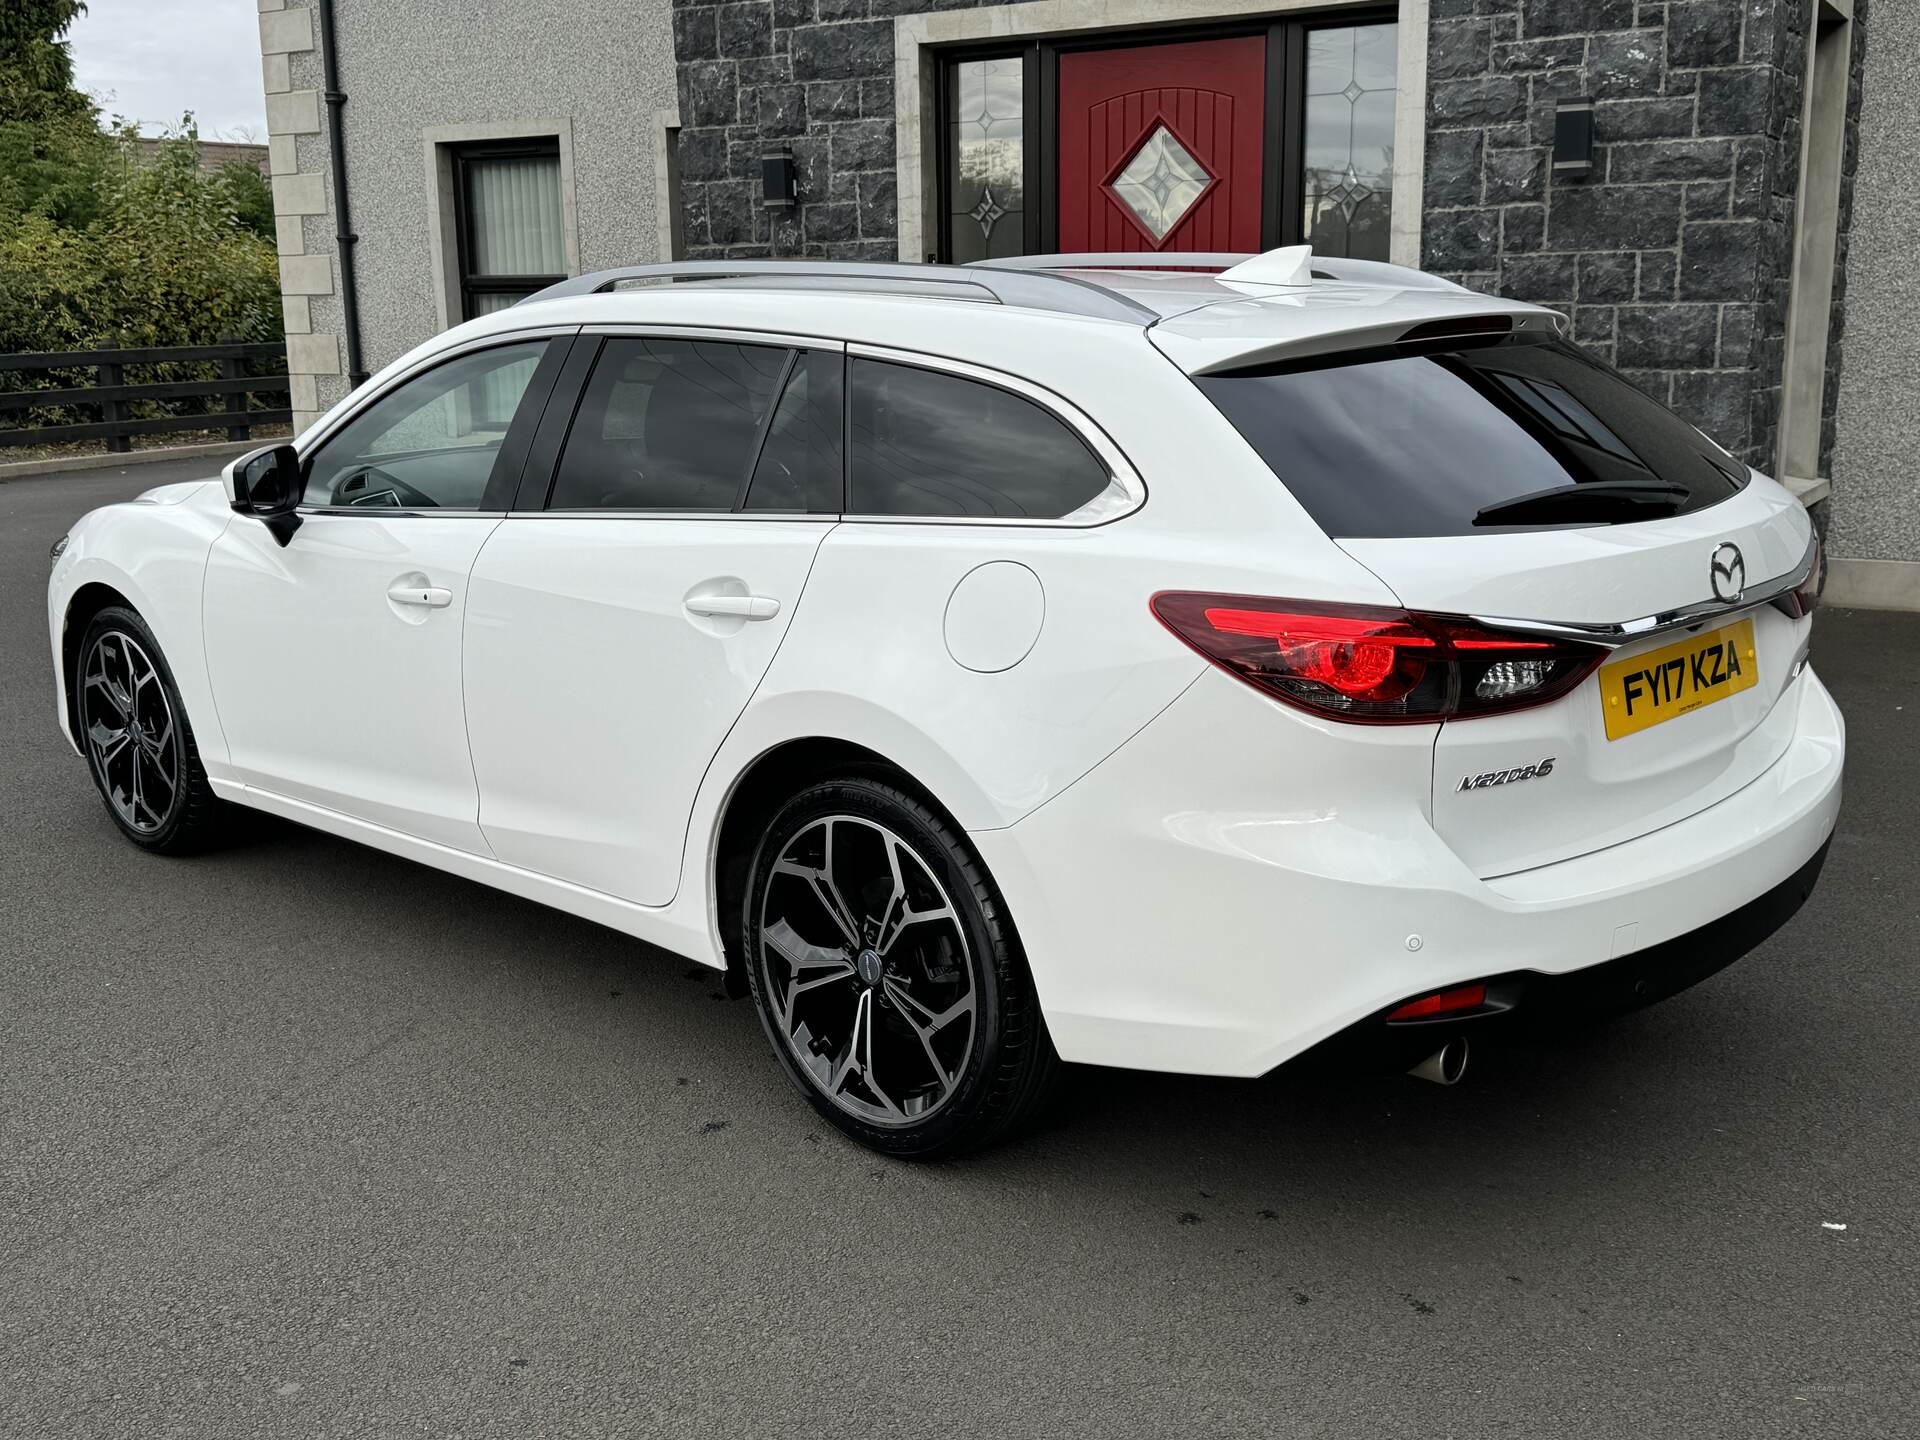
(511, 223)
(1236, 137)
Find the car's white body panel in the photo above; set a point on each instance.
(1278, 885)
(556, 598)
(1203, 879)
(153, 551)
(331, 692)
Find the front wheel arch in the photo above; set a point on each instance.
(85, 603)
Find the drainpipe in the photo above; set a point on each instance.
(343, 232)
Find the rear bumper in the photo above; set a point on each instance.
(1531, 1002)
(1237, 884)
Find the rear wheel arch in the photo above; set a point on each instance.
(774, 777)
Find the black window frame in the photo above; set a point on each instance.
(541, 473)
(1283, 177)
(471, 284)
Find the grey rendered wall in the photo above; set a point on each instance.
(1876, 461)
(602, 69)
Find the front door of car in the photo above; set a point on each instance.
(620, 620)
(335, 657)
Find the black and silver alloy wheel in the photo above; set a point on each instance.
(129, 730)
(129, 721)
(865, 965)
(886, 974)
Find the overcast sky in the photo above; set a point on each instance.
(150, 60)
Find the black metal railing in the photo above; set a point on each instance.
(217, 393)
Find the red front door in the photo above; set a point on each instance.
(1160, 146)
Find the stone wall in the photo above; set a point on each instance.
(817, 74)
(1674, 257)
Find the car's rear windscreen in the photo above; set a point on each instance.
(1426, 440)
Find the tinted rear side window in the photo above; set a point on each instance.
(1420, 442)
(926, 443)
(799, 465)
(668, 424)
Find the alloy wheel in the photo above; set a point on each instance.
(867, 971)
(130, 731)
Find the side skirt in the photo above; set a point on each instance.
(657, 925)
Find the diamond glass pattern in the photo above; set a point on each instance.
(1348, 184)
(1161, 182)
(987, 138)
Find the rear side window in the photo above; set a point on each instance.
(667, 424)
(927, 443)
(1441, 442)
(799, 466)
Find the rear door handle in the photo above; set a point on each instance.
(744, 607)
(430, 597)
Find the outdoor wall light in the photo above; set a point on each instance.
(776, 178)
(1573, 139)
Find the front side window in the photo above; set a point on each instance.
(927, 443)
(430, 443)
(1468, 438)
(668, 424)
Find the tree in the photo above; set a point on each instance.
(36, 64)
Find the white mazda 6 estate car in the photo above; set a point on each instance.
(1178, 668)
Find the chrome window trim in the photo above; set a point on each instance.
(343, 414)
(1626, 632)
(824, 517)
(1126, 491)
(727, 335)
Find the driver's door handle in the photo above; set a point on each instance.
(746, 607)
(430, 597)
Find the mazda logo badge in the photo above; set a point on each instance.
(1728, 573)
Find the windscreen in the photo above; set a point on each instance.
(1465, 438)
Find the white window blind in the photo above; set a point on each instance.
(514, 205)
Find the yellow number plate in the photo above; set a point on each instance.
(1677, 679)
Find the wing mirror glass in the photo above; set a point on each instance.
(266, 484)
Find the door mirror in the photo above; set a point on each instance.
(266, 484)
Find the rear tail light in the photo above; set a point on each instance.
(1371, 664)
(1801, 599)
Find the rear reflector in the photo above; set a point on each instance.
(1447, 1002)
(1371, 664)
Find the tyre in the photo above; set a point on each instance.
(887, 974)
(139, 746)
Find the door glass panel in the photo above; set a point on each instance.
(924, 443)
(799, 467)
(1348, 181)
(1161, 183)
(667, 425)
(430, 443)
(987, 159)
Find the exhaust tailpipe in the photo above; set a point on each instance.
(1446, 1065)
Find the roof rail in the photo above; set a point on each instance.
(1325, 267)
(1120, 260)
(1062, 294)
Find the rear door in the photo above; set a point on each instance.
(620, 619)
(1522, 481)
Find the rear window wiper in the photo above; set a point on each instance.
(1610, 500)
